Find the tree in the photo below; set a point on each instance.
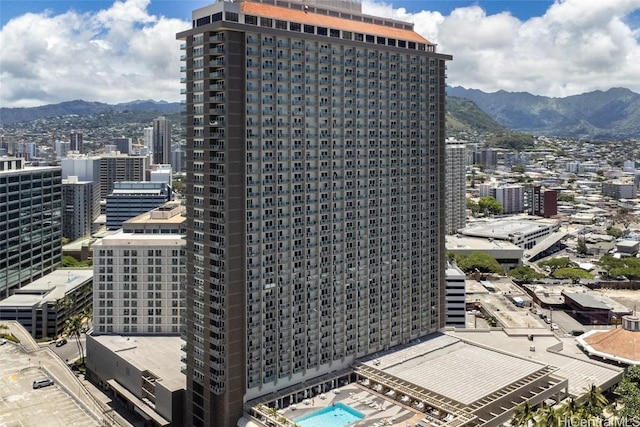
(594, 401)
(478, 261)
(473, 206)
(571, 273)
(628, 392)
(518, 168)
(548, 417)
(522, 415)
(615, 232)
(572, 409)
(73, 328)
(581, 247)
(524, 272)
(489, 205)
(556, 263)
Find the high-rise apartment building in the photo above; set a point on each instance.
(75, 138)
(104, 171)
(161, 141)
(543, 202)
(30, 222)
(80, 208)
(119, 168)
(139, 275)
(315, 205)
(510, 196)
(456, 204)
(123, 145)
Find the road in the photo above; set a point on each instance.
(68, 352)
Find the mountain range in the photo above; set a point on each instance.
(598, 115)
(81, 108)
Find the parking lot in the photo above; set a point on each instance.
(21, 405)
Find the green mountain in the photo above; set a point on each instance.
(613, 114)
(464, 116)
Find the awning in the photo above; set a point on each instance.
(140, 406)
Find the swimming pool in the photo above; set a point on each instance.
(338, 415)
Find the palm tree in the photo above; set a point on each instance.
(594, 401)
(522, 415)
(73, 328)
(572, 409)
(549, 417)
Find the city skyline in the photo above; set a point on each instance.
(123, 52)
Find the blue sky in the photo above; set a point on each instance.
(122, 50)
(522, 9)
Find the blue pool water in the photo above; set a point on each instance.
(339, 415)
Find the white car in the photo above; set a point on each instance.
(554, 326)
(3, 341)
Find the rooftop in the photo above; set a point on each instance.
(169, 213)
(461, 242)
(449, 366)
(158, 354)
(505, 229)
(139, 239)
(596, 300)
(303, 17)
(49, 288)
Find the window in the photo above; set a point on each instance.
(294, 26)
(281, 25)
(309, 29)
(250, 19)
(231, 16)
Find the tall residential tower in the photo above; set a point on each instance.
(315, 212)
(161, 141)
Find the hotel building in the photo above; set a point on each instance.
(315, 205)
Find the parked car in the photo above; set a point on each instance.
(3, 341)
(61, 342)
(554, 326)
(42, 382)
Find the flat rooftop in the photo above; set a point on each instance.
(51, 287)
(479, 244)
(449, 366)
(140, 239)
(597, 300)
(504, 229)
(563, 353)
(158, 354)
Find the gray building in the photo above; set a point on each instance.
(161, 141)
(80, 208)
(123, 145)
(130, 199)
(315, 205)
(30, 222)
(43, 306)
(456, 308)
(456, 204)
(143, 372)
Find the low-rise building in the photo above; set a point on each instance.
(144, 372)
(506, 253)
(43, 306)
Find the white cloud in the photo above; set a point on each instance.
(115, 55)
(124, 53)
(577, 46)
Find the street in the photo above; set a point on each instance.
(68, 352)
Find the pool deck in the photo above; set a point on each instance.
(376, 407)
